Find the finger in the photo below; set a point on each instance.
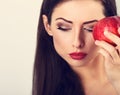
(112, 37)
(109, 48)
(107, 58)
(118, 46)
(104, 53)
(118, 49)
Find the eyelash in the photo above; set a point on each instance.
(64, 29)
(89, 29)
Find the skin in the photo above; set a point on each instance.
(100, 69)
(112, 58)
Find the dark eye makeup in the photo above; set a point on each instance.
(88, 28)
(63, 27)
(88, 25)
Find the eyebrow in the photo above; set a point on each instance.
(91, 21)
(86, 22)
(64, 20)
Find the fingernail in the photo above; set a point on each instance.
(96, 42)
(105, 32)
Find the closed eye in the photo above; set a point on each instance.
(89, 29)
(64, 29)
(88, 25)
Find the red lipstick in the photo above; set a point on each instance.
(77, 55)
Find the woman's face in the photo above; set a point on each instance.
(71, 28)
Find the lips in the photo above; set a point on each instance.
(78, 55)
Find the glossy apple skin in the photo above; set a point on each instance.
(110, 24)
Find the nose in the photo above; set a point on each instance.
(78, 39)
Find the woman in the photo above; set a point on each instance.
(68, 61)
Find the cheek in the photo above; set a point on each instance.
(90, 42)
(90, 38)
(59, 41)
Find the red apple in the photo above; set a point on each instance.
(110, 24)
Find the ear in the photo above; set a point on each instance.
(47, 25)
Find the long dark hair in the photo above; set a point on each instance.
(52, 75)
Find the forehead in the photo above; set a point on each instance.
(79, 9)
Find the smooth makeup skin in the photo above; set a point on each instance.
(71, 28)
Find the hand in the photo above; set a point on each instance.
(112, 58)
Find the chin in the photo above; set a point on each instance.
(76, 63)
